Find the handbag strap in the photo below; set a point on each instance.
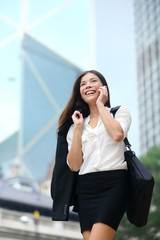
(125, 140)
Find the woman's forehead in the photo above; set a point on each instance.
(89, 76)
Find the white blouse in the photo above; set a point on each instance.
(100, 151)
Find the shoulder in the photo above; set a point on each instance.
(123, 110)
(123, 116)
(119, 109)
(121, 113)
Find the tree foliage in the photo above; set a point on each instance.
(151, 231)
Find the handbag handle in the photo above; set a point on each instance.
(125, 140)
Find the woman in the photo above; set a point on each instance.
(96, 153)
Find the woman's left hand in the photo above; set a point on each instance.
(103, 95)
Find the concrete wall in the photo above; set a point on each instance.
(22, 226)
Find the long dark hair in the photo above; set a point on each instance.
(76, 102)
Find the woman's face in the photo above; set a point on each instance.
(89, 87)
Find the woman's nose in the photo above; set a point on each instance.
(88, 85)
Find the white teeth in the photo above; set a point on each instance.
(91, 92)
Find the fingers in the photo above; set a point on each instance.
(103, 89)
(77, 118)
(77, 115)
(103, 95)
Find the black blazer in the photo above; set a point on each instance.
(64, 181)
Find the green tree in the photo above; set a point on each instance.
(128, 231)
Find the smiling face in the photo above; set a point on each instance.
(89, 87)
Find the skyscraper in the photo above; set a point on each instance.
(47, 80)
(46, 40)
(147, 22)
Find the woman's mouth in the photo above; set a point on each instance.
(90, 92)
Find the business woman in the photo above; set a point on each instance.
(96, 153)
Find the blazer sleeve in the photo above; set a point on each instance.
(63, 183)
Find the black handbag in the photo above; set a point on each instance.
(141, 186)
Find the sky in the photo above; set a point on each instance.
(116, 57)
(97, 34)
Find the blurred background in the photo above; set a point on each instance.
(44, 46)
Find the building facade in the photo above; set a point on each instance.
(47, 84)
(147, 23)
(47, 80)
(23, 226)
(42, 51)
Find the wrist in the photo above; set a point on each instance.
(100, 105)
(77, 127)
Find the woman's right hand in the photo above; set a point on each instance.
(78, 119)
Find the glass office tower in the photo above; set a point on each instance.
(47, 80)
(41, 43)
(147, 22)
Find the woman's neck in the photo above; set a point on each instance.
(94, 113)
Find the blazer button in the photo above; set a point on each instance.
(65, 209)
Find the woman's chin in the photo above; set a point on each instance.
(91, 100)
